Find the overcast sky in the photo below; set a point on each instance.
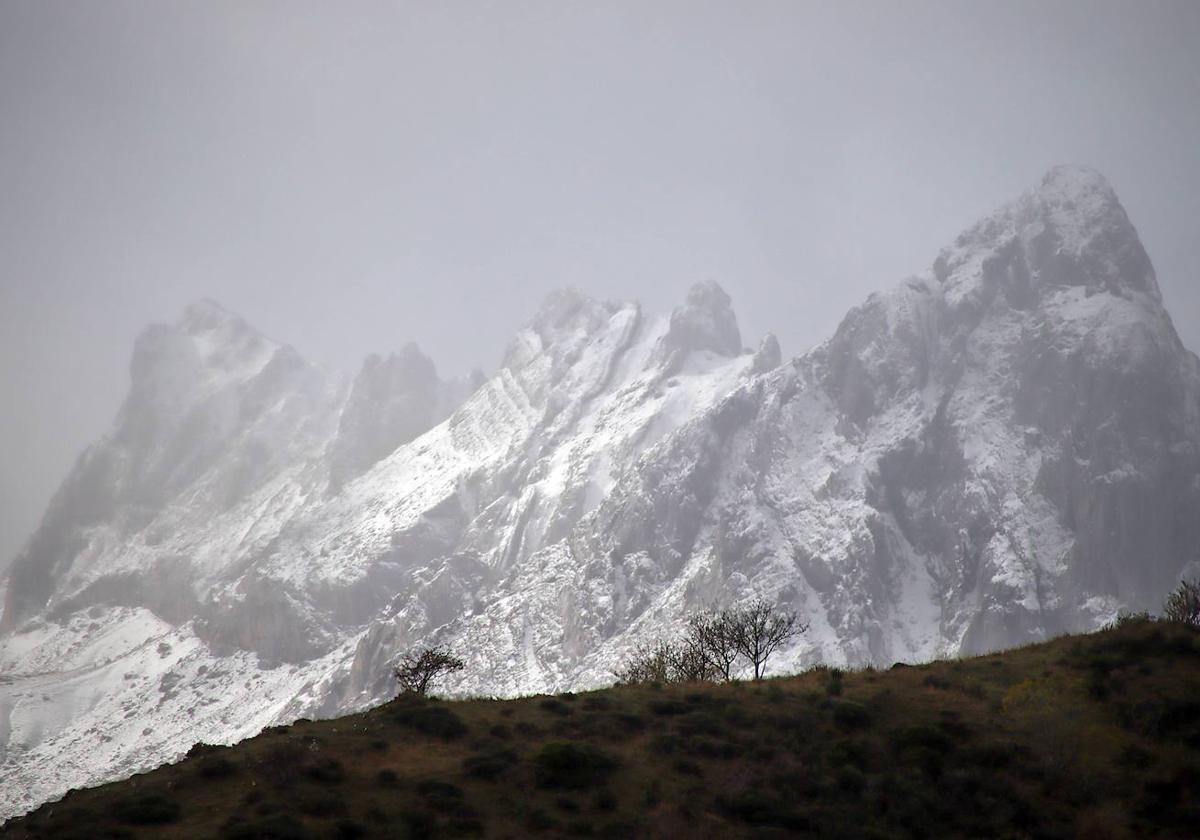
(352, 176)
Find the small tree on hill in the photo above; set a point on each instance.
(713, 633)
(1183, 605)
(648, 663)
(416, 671)
(759, 629)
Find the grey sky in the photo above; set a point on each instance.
(351, 176)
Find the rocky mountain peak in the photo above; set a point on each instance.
(1071, 231)
(706, 321)
(207, 314)
(392, 400)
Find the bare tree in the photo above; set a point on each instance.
(648, 663)
(690, 661)
(1183, 605)
(666, 662)
(714, 634)
(713, 644)
(417, 671)
(759, 629)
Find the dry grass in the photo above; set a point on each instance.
(1087, 736)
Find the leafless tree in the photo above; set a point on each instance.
(416, 671)
(648, 663)
(760, 628)
(689, 661)
(1183, 605)
(713, 633)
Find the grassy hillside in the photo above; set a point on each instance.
(1088, 736)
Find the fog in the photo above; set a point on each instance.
(350, 177)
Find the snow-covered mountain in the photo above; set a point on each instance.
(1003, 448)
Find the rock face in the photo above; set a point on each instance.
(392, 401)
(1003, 448)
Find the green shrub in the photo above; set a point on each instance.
(604, 800)
(1125, 618)
(669, 707)
(713, 748)
(441, 796)
(571, 766)
(147, 809)
(327, 771)
(850, 715)
(280, 764)
(847, 753)
(627, 722)
(322, 805)
(702, 723)
(200, 749)
(759, 808)
(924, 737)
(555, 707)
(850, 780)
(273, 827)
(936, 681)
(418, 825)
(465, 826)
(215, 767)
(349, 830)
(489, 765)
(435, 720)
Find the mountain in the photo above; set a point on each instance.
(1002, 449)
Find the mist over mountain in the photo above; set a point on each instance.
(1003, 448)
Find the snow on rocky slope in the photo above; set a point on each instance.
(1001, 449)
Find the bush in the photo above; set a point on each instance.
(349, 830)
(418, 825)
(441, 796)
(1126, 618)
(434, 720)
(761, 809)
(1183, 605)
(274, 827)
(325, 772)
(850, 715)
(669, 707)
(924, 737)
(322, 805)
(555, 707)
(489, 765)
(571, 766)
(216, 767)
(147, 809)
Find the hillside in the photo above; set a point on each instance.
(1083, 736)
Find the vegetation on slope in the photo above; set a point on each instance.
(1087, 736)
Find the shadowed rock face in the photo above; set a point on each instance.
(391, 401)
(1001, 448)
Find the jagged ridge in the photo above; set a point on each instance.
(1000, 449)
